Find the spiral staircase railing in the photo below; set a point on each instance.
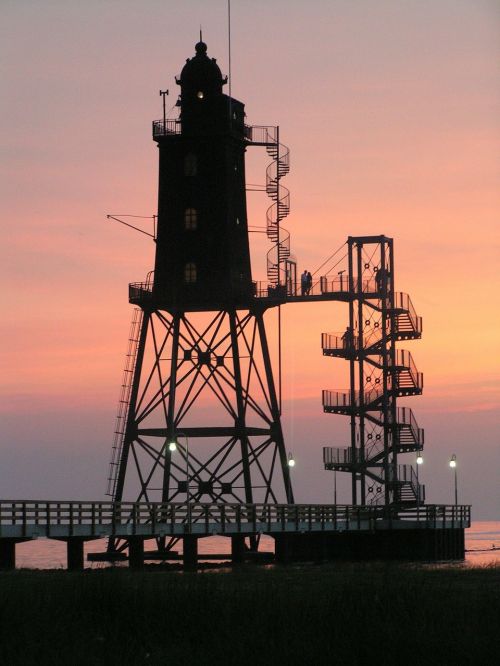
(278, 210)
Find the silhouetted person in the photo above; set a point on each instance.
(348, 339)
(381, 275)
(309, 282)
(303, 283)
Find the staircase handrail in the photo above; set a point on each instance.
(338, 341)
(340, 455)
(279, 208)
(407, 474)
(277, 254)
(342, 398)
(261, 134)
(402, 301)
(405, 416)
(405, 359)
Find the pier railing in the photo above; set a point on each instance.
(30, 519)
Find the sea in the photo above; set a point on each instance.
(482, 543)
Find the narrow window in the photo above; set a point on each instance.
(190, 273)
(190, 165)
(190, 219)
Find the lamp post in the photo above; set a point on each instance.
(290, 463)
(173, 447)
(453, 465)
(420, 460)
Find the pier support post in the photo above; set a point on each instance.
(237, 548)
(190, 553)
(282, 548)
(74, 553)
(7, 554)
(135, 552)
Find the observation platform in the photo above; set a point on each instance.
(254, 135)
(326, 288)
(300, 531)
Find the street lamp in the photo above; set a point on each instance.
(173, 447)
(291, 463)
(453, 465)
(420, 460)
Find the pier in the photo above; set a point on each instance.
(302, 532)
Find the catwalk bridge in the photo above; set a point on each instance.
(295, 527)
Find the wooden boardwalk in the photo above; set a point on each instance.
(77, 522)
(103, 519)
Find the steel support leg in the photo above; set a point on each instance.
(282, 548)
(190, 553)
(136, 553)
(237, 548)
(74, 552)
(7, 554)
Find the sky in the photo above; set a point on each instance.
(391, 110)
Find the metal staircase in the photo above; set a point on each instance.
(379, 374)
(408, 490)
(124, 400)
(278, 210)
(279, 254)
(407, 380)
(407, 324)
(410, 437)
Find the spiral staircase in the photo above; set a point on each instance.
(277, 211)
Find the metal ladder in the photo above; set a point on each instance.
(124, 400)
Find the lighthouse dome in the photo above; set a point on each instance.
(201, 76)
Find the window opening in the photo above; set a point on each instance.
(190, 219)
(190, 272)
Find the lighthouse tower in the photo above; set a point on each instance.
(202, 253)
(199, 417)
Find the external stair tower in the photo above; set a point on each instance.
(379, 374)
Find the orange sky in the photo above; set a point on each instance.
(392, 113)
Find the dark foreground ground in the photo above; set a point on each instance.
(313, 614)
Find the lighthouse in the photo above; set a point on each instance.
(202, 251)
(199, 418)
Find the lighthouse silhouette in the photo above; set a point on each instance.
(199, 417)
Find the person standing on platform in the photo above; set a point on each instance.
(348, 339)
(309, 282)
(303, 283)
(381, 275)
